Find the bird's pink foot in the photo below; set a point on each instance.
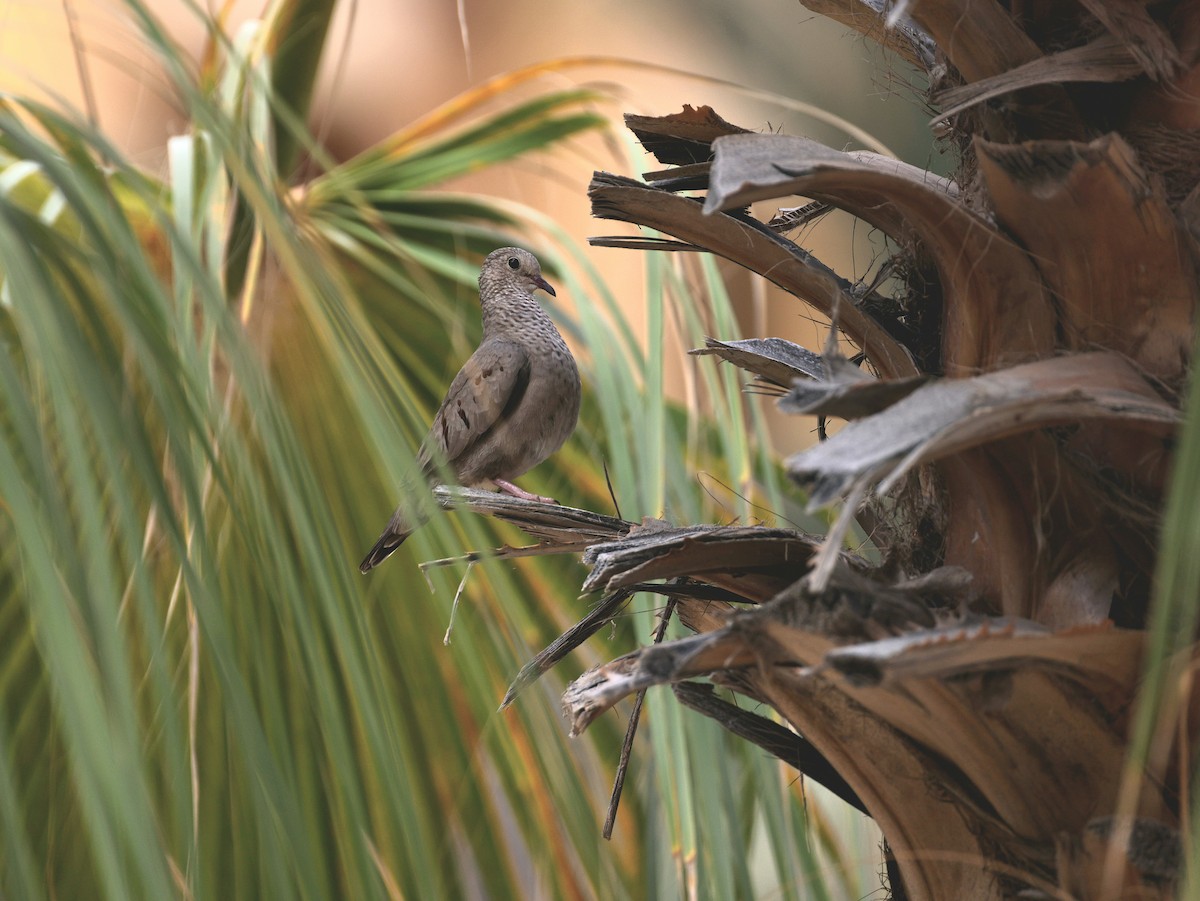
(515, 491)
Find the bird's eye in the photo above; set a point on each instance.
(514, 263)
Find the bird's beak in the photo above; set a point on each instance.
(545, 286)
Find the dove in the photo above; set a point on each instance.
(513, 403)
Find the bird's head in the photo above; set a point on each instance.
(513, 267)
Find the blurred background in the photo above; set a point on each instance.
(391, 61)
(766, 65)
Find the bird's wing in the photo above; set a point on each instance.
(489, 384)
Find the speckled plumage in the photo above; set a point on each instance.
(513, 403)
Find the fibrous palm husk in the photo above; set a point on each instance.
(975, 698)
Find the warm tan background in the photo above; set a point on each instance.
(391, 61)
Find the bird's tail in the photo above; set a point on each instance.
(388, 542)
(407, 519)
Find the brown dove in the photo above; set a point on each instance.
(513, 403)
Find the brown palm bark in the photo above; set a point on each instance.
(1009, 450)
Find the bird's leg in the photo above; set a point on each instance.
(515, 491)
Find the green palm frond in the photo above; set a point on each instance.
(209, 386)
